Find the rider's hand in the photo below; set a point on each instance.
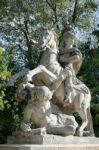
(63, 74)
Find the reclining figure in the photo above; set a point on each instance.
(43, 113)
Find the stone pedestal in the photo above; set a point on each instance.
(50, 142)
(51, 147)
(47, 139)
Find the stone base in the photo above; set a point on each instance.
(48, 139)
(51, 147)
(50, 142)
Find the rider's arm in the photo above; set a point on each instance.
(71, 59)
(74, 56)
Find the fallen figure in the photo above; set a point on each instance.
(40, 111)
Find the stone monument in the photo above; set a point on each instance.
(53, 93)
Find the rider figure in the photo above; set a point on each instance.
(70, 58)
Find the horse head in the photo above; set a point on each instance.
(48, 39)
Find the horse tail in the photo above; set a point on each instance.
(82, 88)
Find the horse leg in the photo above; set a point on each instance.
(83, 115)
(40, 69)
(49, 79)
(44, 77)
(31, 73)
(90, 123)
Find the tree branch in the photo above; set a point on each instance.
(54, 8)
(74, 16)
(50, 5)
(29, 45)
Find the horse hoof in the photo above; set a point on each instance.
(79, 133)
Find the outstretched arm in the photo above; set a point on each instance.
(70, 55)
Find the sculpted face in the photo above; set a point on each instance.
(43, 93)
(69, 41)
(21, 95)
(68, 38)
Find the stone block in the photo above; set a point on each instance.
(51, 147)
(48, 139)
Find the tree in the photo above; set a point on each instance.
(21, 20)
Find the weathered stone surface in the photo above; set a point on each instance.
(51, 147)
(50, 139)
(54, 83)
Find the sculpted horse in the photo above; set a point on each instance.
(48, 71)
(80, 98)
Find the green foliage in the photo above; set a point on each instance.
(10, 110)
(4, 74)
(90, 4)
(35, 59)
(11, 115)
(96, 33)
